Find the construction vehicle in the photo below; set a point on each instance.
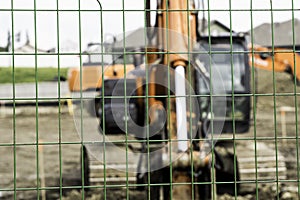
(192, 88)
(197, 158)
(114, 110)
(192, 154)
(279, 59)
(89, 78)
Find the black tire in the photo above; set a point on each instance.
(227, 174)
(97, 107)
(159, 177)
(204, 190)
(154, 190)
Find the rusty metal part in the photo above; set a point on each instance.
(186, 160)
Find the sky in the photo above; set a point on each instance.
(71, 31)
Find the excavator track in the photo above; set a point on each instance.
(116, 170)
(260, 164)
(115, 174)
(256, 166)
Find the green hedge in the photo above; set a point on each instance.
(27, 75)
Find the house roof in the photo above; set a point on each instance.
(28, 48)
(133, 39)
(215, 28)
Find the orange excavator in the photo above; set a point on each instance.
(192, 88)
(174, 102)
(279, 59)
(89, 78)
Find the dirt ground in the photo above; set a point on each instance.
(60, 149)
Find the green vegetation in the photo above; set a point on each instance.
(27, 75)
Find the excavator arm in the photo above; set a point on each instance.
(279, 60)
(175, 40)
(176, 46)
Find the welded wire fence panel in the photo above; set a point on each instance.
(169, 99)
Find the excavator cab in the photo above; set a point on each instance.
(226, 61)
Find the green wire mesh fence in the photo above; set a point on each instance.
(166, 99)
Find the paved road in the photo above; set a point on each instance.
(47, 92)
(28, 90)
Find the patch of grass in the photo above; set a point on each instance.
(28, 75)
